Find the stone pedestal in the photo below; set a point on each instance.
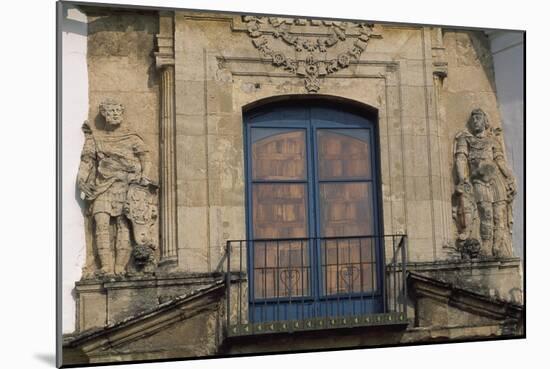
(499, 278)
(440, 304)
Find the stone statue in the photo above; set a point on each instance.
(485, 189)
(115, 178)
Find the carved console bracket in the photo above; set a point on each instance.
(164, 56)
(164, 59)
(309, 41)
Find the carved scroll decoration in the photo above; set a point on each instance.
(315, 64)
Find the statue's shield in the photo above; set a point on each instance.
(141, 210)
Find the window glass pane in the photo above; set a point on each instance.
(278, 154)
(343, 154)
(281, 269)
(279, 210)
(348, 265)
(346, 209)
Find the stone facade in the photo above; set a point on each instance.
(119, 42)
(186, 79)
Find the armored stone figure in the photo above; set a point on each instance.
(485, 188)
(115, 178)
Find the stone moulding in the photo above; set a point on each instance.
(95, 341)
(312, 62)
(241, 66)
(498, 278)
(475, 303)
(117, 299)
(395, 319)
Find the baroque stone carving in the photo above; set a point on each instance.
(115, 180)
(484, 192)
(314, 63)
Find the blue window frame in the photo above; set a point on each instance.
(312, 213)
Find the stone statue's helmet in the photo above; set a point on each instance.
(112, 110)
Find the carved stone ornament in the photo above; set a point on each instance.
(115, 180)
(313, 62)
(484, 192)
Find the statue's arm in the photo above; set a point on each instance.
(86, 169)
(146, 175)
(498, 157)
(144, 156)
(461, 161)
(503, 166)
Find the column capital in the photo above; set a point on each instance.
(164, 55)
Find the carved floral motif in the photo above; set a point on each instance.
(315, 65)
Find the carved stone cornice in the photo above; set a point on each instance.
(439, 62)
(425, 287)
(165, 55)
(302, 47)
(148, 322)
(440, 69)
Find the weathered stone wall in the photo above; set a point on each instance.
(169, 331)
(219, 71)
(108, 302)
(423, 83)
(495, 278)
(470, 84)
(188, 345)
(121, 67)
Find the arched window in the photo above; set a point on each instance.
(312, 211)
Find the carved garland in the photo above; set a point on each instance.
(311, 67)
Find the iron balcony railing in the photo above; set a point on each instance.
(285, 285)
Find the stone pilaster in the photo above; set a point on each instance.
(444, 184)
(165, 65)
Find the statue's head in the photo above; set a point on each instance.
(112, 111)
(478, 121)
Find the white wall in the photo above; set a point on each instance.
(507, 49)
(74, 112)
